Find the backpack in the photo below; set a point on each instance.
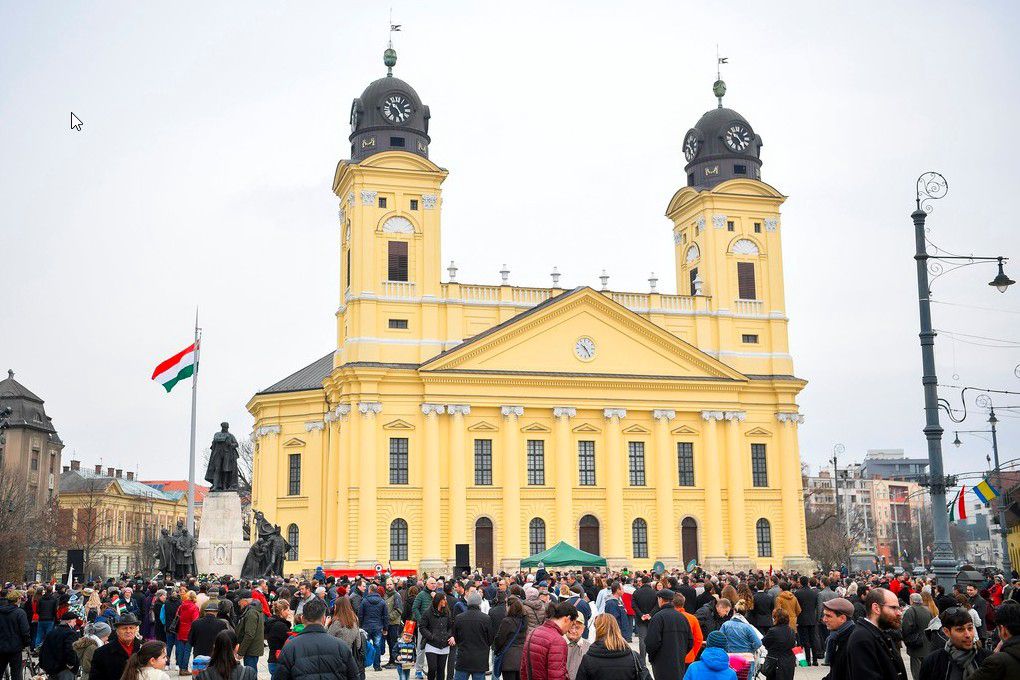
(360, 649)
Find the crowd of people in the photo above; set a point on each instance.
(562, 625)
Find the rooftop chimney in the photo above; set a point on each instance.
(130, 476)
(76, 465)
(110, 472)
(120, 473)
(67, 468)
(99, 469)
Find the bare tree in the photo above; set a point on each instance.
(16, 511)
(93, 532)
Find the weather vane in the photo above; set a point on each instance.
(719, 87)
(390, 55)
(394, 28)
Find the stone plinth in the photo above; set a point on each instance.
(221, 547)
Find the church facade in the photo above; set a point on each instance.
(640, 426)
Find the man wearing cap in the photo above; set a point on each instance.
(577, 646)
(56, 655)
(251, 631)
(15, 633)
(669, 639)
(205, 629)
(837, 617)
(916, 618)
(109, 660)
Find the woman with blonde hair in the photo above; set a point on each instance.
(928, 601)
(610, 657)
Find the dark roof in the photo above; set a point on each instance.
(715, 157)
(27, 408)
(308, 378)
(78, 481)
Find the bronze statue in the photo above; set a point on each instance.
(165, 552)
(265, 557)
(222, 471)
(183, 551)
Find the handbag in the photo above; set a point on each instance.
(769, 667)
(639, 674)
(497, 661)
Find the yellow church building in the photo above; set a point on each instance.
(640, 426)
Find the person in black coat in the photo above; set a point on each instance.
(204, 631)
(807, 621)
(56, 655)
(497, 611)
(620, 663)
(108, 661)
(436, 629)
(669, 639)
(314, 654)
(958, 627)
(779, 642)
(644, 602)
(690, 595)
(871, 651)
(761, 614)
(474, 634)
(15, 633)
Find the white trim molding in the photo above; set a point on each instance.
(609, 413)
(735, 416)
(795, 418)
(368, 197)
(564, 412)
(433, 409)
(458, 409)
(512, 411)
(369, 408)
(712, 415)
(267, 430)
(313, 425)
(664, 414)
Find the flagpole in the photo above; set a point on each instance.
(194, 413)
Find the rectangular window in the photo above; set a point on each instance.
(382, 201)
(685, 462)
(348, 267)
(398, 324)
(730, 226)
(586, 463)
(749, 339)
(398, 460)
(35, 461)
(739, 169)
(745, 281)
(536, 462)
(483, 462)
(397, 261)
(414, 204)
(396, 141)
(636, 463)
(759, 467)
(694, 275)
(757, 227)
(294, 474)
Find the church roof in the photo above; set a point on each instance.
(79, 481)
(308, 378)
(27, 408)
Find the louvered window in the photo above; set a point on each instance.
(745, 281)
(397, 261)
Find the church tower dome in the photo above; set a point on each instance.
(722, 145)
(389, 116)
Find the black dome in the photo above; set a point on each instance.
(715, 161)
(406, 129)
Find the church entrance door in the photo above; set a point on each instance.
(483, 545)
(588, 534)
(689, 540)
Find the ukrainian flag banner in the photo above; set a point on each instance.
(986, 492)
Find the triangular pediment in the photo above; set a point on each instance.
(582, 333)
(294, 441)
(536, 427)
(683, 429)
(636, 429)
(585, 427)
(398, 424)
(758, 432)
(483, 426)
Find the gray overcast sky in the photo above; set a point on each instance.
(212, 130)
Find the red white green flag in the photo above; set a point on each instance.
(958, 507)
(176, 368)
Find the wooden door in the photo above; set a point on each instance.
(689, 540)
(588, 535)
(483, 545)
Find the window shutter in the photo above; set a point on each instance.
(745, 281)
(397, 261)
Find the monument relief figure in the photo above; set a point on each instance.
(165, 552)
(184, 551)
(222, 471)
(266, 556)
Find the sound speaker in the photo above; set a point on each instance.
(76, 559)
(462, 560)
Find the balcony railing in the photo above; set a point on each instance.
(480, 293)
(398, 289)
(531, 296)
(748, 306)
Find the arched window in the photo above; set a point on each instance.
(293, 534)
(764, 533)
(398, 540)
(639, 536)
(536, 535)
(588, 534)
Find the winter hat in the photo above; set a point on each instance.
(716, 639)
(666, 594)
(839, 605)
(99, 629)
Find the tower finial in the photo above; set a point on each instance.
(390, 55)
(719, 87)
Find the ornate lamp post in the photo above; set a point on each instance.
(932, 186)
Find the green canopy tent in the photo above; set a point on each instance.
(563, 555)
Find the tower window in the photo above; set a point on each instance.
(414, 204)
(382, 201)
(739, 169)
(745, 281)
(749, 339)
(757, 227)
(397, 260)
(694, 275)
(730, 226)
(398, 324)
(397, 141)
(347, 268)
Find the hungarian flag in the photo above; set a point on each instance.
(176, 368)
(958, 508)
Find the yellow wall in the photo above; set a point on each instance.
(668, 369)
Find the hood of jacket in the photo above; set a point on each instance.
(713, 657)
(598, 650)
(374, 598)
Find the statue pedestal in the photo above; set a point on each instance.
(221, 548)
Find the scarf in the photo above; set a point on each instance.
(965, 659)
(834, 637)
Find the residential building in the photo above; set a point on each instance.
(892, 464)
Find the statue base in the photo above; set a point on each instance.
(221, 548)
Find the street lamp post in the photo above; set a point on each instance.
(932, 186)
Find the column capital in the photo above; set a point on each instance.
(609, 413)
(315, 425)
(735, 416)
(712, 415)
(795, 418)
(339, 413)
(564, 412)
(665, 414)
(512, 411)
(458, 409)
(369, 408)
(433, 409)
(266, 430)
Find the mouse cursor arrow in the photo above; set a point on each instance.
(76, 122)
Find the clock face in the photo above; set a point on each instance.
(584, 349)
(691, 145)
(737, 136)
(396, 108)
(354, 118)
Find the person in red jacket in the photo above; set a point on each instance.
(545, 651)
(259, 593)
(186, 615)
